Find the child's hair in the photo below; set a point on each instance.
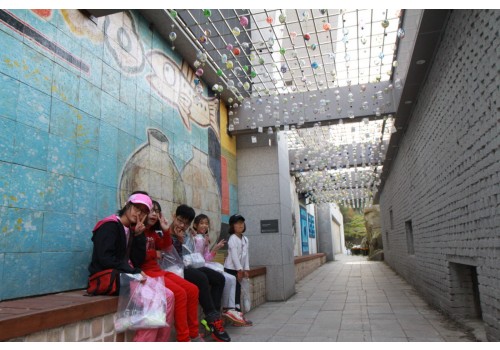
(157, 225)
(197, 220)
(186, 212)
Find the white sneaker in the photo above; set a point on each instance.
(234, 316)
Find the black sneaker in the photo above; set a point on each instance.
(218, 332)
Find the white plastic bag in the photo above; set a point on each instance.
(141, 304)
(214, 265)
(246, 299)
(171, 261)
(194, 260)
(191, 259)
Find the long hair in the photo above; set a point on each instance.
(157, 225)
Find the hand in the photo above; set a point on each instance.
(144, 277)
(240, 275)
(163, 223)
(140, 226)
(245, 274)
(219, 245)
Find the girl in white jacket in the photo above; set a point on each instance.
(236, 262)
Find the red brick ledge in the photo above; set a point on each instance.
(257, 271)
(304, 258)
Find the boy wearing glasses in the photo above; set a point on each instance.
(210, 283)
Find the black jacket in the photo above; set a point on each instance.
(110, 249)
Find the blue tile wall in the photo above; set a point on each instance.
(56, 271)
(87, 130)
(69, 122)
(9, 91)
(33, 107)
(90, 98)
(61, 155)
(21, 275)
(58, 230)
(7, 139)
(37, 70)
(21, 230)
(5, 185)
(11, 53)
(28, 188)
(65, 85)
(86, 163)
(63, 119)
(31, 146)
(59, 193)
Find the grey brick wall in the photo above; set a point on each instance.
(446, 177)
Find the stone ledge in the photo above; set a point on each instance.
(22, 317)
(304, 258)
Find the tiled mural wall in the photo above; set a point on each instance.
(89, 112)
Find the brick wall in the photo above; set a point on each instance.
(445, 178)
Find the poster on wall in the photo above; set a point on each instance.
(304, 231)
(312, 230)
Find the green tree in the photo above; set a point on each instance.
(354, 226)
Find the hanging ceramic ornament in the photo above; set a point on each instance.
(283, 68)
(201, 56)
(293, 35)
(401, 33)
(269, 20)
(236, 51)
(307, 36)
(173, 14)
(314, 65)
(229, 47)
(199, 72)
(314, 47)
(207, 13)
(305, 16)
(172, 36)
(282, 51)
(219, 72)
(327, 26)
(202, 39)
(282, 18)
(236, 31)
(384, 23)
(223, 58)
(246, 86)
(243, 21)
(229, 65)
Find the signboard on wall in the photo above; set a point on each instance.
(312, 228)
(304, 230)
(269, 226)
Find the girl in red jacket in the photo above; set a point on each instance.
(158, 238)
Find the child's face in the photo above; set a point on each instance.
(239, 226)
(203, 226)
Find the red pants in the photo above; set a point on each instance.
(186, 304)
(158, 334)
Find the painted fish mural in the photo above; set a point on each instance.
(176, 86)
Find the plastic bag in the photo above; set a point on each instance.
(194, 260)
(191, 259)
(171, 261)
(141, 304)
(215, 266)
(246, 299)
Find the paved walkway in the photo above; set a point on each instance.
(350, 300)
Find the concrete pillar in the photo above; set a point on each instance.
(264, 200)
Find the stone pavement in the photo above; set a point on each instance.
(350, 300)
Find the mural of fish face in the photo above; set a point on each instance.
(124, 43)
(175, 85)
